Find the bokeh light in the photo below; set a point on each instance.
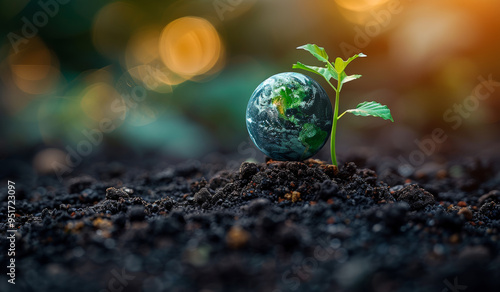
(434, 34)
(33, 71)
(140, 111)
(112, 28)
(144, 64)
(199, 61)
(48, 160)
(142, 48)
(360, 5)
(190, 46)
(155, 76)
(360, 12)
(101, 101)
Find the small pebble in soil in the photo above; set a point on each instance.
(415, 196)
(202, 196)
(466, 213)
(237, 237)
(115, 194)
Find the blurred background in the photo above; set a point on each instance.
(174, 77)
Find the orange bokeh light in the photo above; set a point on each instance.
(360, 5)
(142, 48)
(190, 46)
(144, 64)
(34, 69)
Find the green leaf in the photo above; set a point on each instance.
(316, 51)
(326, 72)
(350, 78)
(372, 108)
(354, 57)
(344, 78)
(340, 65)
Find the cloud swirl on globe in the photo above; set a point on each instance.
(289, 116)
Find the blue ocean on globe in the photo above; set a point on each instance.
(289, 116)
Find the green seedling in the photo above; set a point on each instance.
(337, 71)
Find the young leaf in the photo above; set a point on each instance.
(316, 51)
(352, 58)
(371, 108)
(337, 71)
(326, 72)
(346, 78)
(340, 65)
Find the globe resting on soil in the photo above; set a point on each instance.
(289, 116)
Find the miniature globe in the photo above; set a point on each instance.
(289, 116)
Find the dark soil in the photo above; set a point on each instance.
(275, 226)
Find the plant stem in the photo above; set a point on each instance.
(334, 126)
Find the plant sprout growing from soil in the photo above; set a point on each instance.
(337, 72)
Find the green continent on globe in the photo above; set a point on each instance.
(289, 116)
(312, 136)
